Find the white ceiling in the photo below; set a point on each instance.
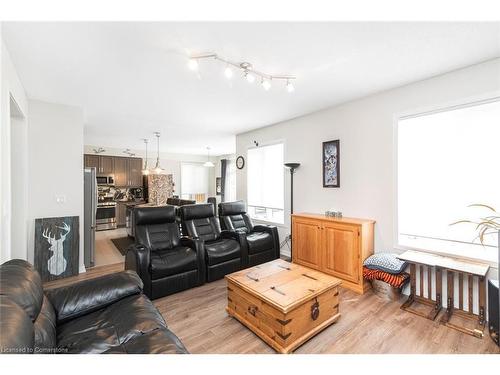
(132, 78)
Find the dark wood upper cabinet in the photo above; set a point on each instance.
(92, 161)
(107, 164)
(135, 172)
(127, 171)
(121, 171)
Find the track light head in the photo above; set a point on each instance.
(266, 84)
(249, 77)
(228, 72)
(193, 64)
(289, 87)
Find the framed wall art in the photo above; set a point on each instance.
(331, 164)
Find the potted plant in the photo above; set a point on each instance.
(484, 226)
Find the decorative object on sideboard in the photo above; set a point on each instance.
(331, 163)
(218, 185)
(145, 170)
(333, 213)
(247, 70)
(57, 244)
(158, 169)
(240, 162)
(99, 150)
(208, 163)
(487, 225)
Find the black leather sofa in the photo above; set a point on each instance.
(225, 251)
(108, 314)
(166, 262)
(262, 241)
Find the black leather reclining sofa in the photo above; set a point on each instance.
(108, 314)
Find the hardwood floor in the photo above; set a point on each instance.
(369, 324)
(105, 251)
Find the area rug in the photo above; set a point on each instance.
(122, 244)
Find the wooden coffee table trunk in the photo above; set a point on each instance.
(284, 304)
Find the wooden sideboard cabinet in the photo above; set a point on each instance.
(336, 246)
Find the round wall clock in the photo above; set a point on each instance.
(240, 162)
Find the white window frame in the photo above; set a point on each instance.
(264, 144)
(444, 107)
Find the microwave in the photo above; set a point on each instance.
(105, 180)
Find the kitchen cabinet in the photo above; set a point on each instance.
(127, 171)
(102, 164)
(107, 164)
(336, 246)
(135, 172)
(121, 171)
(92, 161)
(121, 214)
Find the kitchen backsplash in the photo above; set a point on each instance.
(117, 194)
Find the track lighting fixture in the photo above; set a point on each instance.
(249, 73)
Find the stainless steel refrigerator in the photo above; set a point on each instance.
(89, 215)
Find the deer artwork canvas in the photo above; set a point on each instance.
(57, 243)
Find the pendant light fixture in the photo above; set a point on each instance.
(208, 163)
(145, 170)
(158, 169)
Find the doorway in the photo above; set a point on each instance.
(18, 182)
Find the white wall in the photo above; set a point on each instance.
(365, 130)
(55, 165)
(10, 89)
(170, 162)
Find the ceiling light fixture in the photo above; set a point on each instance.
(158, 169)
(208, 163)
(249, 73)
(145, 170)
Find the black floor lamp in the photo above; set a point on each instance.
(292, 167)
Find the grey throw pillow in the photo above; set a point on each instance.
(386, 262)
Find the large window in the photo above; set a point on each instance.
(265, 183)
(230, 194)
(194, 182)
(448, 160)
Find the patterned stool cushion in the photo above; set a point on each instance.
(396, 281)
(386, 262)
